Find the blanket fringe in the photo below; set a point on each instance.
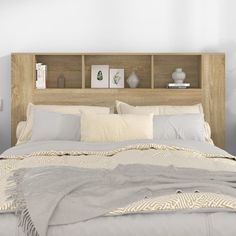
(15, 193)
(141, 147)
(26, 223)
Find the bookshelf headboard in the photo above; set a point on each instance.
(205, 72)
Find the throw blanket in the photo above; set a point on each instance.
(63, 195)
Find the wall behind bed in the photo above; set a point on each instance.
(124, 25)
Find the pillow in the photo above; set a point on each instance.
(66, 109)
(207, 131)
(49, 125)
(27, 132)
(124, 108)
(19, 128)
(114, 128)
(185, 127)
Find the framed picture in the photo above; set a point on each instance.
(99, 76)
(117, 78)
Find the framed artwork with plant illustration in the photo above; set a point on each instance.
(117, 78)
(99, 76)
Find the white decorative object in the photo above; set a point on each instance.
(99, 76)
(41, 76)
(178, 76)
(133, 80)
(178, 85)
(61, 81)
(117, 78)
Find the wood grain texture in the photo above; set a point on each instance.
(70, 67)
(152, 72)
(22, 87)
(213, 89)
(83, 72)
(165, 65)
(140, 64)
(107, 97)
(206, 72)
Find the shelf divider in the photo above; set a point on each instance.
(152, 72)
(83, 72)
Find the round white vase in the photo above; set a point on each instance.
(133, 80)
(178, 76)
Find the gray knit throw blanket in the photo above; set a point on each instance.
(47, 196)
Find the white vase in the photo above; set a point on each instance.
(178, 76)
(133, 80)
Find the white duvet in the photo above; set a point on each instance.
(94, 155)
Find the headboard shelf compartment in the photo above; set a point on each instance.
(205, 72)
(140, 64)
(68, 66)
(154, 70)
(164, 65)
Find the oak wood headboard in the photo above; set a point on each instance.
(205, 72)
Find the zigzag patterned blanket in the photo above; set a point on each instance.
(73, 194)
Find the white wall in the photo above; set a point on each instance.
(117, 25)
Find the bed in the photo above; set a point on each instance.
(148, 170)
(165, 216)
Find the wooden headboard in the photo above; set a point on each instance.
(205, 72)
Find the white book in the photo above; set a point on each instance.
(38, 65)
(179, 84)
(44, 75)
(41, 73)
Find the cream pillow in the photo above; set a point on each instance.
(207, 132)
(19, 128)
(26, 134)
(124, 108)
(114, 128)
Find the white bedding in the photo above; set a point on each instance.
(213, 224)
(176, 153)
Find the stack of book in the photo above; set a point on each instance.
(41, 76)
(178, 85)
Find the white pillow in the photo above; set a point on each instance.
(26, 134)
(114, 128)
(184, 127)
(124, 108)
(49, 125)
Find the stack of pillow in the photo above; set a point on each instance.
(173, 122)
(96, 124)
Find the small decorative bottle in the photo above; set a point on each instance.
(178, 76)
(61, 81)
(133, 80)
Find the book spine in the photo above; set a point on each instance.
(178, 87)
(44, 73)
(41, 73)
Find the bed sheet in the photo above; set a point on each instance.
(210, 224)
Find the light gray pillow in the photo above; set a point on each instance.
(184, 126)
(48, 125)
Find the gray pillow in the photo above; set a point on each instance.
(48, 125)
(184, 126)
